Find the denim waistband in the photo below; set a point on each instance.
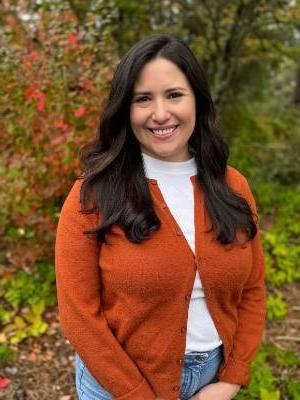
(204, 354)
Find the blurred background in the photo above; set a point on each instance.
(56, 62)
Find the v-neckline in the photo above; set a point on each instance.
(198, 214)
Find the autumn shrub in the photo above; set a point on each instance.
(52, 97)
(52, 92)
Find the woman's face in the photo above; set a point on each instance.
(163, 111)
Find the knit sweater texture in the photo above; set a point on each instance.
(124, 306)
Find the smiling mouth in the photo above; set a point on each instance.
(163, 132)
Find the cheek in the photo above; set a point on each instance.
(188, 113)
(189, 122)
(137, 118)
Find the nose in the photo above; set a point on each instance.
(160, 112)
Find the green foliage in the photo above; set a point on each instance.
(282, 240)
(274, 180)
(31, 325)
(31, 288)
(284, 358)
(262, 380)
(264, 138)
(5, 315)
(293, 390)
(27, 296)
(264, 384)
(266, 395)
(6, 355)
(276, 307)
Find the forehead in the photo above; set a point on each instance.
(159, 74)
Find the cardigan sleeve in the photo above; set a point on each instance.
(251, 311)
(79, 303)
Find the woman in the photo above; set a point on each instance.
(160, 270)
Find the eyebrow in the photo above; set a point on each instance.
(167, 91)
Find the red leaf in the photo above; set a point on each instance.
(33, 56)
(41, 104)
(30, 92)
(4, 382)
(59, 123)
(33, 92)
(73, 41)
(72, 38)
(80, 112)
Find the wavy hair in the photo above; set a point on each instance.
(113, 174)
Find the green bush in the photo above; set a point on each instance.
(26, 296)
(282, 239)
(7, 355)
(263, 381)
(264, 384)
(276, 307)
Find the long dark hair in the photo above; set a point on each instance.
(113, 173)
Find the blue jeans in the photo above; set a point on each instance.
(199, 370)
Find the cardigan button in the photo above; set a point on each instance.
(187, 297)
(176, 388)
(183, 329)
(180, 361)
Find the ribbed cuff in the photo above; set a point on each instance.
(235, 371)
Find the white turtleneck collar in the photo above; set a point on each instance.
(154, 167)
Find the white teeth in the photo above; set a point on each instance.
(163, 131)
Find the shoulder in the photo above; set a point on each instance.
(72, 199)
(235, 178)
(74, 205)
(71, 207)
(238, 182)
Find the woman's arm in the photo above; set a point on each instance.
(81, 316)
(251, 312)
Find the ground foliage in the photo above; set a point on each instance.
(56, 64)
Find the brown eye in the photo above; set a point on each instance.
(174, 95)
(142, 99)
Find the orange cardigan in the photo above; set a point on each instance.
(124, 306)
